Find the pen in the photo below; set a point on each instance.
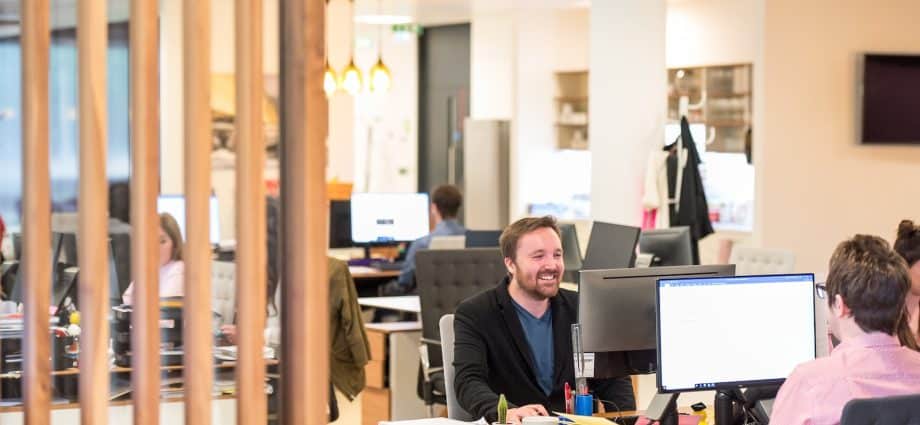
(569, 408)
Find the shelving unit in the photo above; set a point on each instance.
(725, 91)
(571, 109)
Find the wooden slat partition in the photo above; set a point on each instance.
(92, 240)
(36, 211)
(305, 319)
(145, 163)
(197, 336)
(250, 218)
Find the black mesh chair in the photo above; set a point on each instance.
(445, 278)
(896, 410)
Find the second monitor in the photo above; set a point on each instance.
(380, 218)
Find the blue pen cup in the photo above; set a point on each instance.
(584, 404)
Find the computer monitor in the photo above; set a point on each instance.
(616, 310)
(611, 246)
(380, 218)
(340, 224)
(671, 247)
(175, 206)
(756, 330)
(482, 238)
(571, 252)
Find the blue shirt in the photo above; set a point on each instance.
(539, 333)
(444, 228)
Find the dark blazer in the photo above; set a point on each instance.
(491, 356)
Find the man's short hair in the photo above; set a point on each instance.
(872, 280)
(447, 199)
(908, 242)
(514, 232)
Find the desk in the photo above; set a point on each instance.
(406, 303)
(367, 273)
(223, 411)
(392, 373)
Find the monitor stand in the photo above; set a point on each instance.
(663, 409)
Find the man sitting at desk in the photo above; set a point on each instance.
(445, 204)
(516, 338)
(866, 289)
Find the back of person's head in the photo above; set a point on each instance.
(873, 282)
(171, 228)
(908, 242)
(447, 199)
(515, 231)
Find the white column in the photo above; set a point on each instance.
(171, 94)
(628, 102)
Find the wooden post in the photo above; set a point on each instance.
(197, 336)
(145, 161)
(36, 212)
(305, 319)
(250, 214)
(92, 40)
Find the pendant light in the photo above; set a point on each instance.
(330, 80)
(351, 80)
(380, 74)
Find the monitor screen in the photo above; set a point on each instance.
(388, 217)
(670, 247)
(756, 330)
(611, 246)
(175, 206)
(616, 309)
(891, 99)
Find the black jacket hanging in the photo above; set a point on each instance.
(692, 209)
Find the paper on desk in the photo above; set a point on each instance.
(581, 420)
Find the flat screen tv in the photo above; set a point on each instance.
(890, 99)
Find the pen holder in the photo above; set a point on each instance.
(584, 404)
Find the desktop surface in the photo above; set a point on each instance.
(758, 328)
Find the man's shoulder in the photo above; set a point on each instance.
(817, 372)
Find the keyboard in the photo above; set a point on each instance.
(387, 265)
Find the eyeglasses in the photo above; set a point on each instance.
(821, 290)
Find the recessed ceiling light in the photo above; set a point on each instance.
(383, 19)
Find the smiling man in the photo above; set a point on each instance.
(516, 339)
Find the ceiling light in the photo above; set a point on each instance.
(380, 77)
(351, 80)
(330, 81)
(383, 19)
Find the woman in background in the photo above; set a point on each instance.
(172, 269)
(908, 246)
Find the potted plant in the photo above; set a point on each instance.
(502, 410)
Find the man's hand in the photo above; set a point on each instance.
(228, 332)
(515, 416)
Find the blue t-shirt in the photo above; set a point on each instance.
(539, 333)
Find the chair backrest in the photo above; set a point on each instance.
(454, 411)
(223, 290)
(754, 261)
(894, 410)
(447, 242)
(447, 277)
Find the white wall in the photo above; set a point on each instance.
(491, 67)
(627, 102)
(713, 32)
(545, 41)
(819, 185)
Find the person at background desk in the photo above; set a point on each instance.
(908, 246)
(516, 339)
(172, 269)
(867, 285)
(445, 205)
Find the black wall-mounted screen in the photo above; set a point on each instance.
(891, 99)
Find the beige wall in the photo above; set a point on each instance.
(817, 186)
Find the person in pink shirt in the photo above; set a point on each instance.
(866, 289)
(908, 246)
(172, 269)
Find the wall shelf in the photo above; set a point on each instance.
(571, 109)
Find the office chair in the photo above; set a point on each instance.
(454, 411)
(445, 278)
(896, 410)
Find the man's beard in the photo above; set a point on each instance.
(540, 289)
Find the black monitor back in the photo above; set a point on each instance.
(482, 238)
(616, 309)
(340, 224)
(671, 247)
(611, 246)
